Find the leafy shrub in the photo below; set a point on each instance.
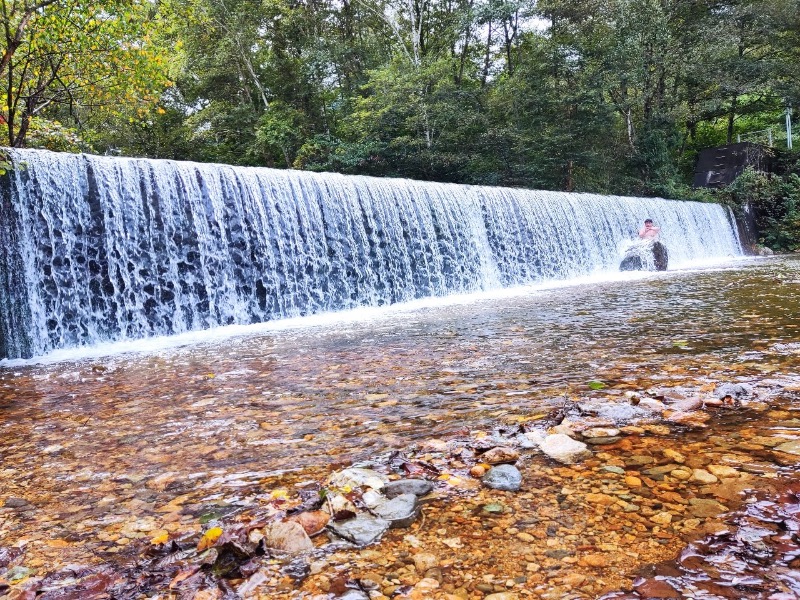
(775, 201)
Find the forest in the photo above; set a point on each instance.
(608, 96)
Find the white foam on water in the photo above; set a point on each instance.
(353, 317)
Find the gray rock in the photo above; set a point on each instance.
(602, 441)
(503, 477)
(15, 502)
(600, 432)
(418, 487)
(737, 391)
(357, 477)
(401, 511)
(564, 449)
(645, 255)
(17, 573)
(613, 469)
(361, 530)
(354, 595)
(617, 412)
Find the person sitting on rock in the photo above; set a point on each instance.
(649, 231)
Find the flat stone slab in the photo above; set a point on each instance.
(400, 511)
(702, 507)
(792, 447)
(361, 530)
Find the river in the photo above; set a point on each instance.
(104, 452)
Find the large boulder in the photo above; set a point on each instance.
(646, 255)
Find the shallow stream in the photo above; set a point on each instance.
(101, 455)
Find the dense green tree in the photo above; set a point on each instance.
(76, 58)
(597, 95)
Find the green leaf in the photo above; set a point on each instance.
(596, 385)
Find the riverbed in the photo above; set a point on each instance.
(105, 457)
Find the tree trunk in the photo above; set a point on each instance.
(485, 74)
(731, 120)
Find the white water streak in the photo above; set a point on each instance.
(117, 248)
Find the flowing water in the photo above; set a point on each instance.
(101, 454)
(101, 249)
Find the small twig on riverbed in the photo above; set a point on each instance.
(422, 520)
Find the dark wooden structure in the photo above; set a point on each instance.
(718, 167)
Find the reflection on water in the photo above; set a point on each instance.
(95, 446)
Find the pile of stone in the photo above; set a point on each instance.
(359, 506)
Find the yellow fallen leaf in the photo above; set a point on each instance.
(208, 539)
(279, 494)
(160, 539)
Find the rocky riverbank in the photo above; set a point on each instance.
(570, 502)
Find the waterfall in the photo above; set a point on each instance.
(102, 249)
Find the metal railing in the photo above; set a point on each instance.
(770, 137)
(757, 136)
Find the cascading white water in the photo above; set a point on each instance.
(101, 249)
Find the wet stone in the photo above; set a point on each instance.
(401, 511)
(500, 455)
(313, 522)
(603, 441)
(353, 595)
(361, 530)
(17, 573)
(769, 442)
(418, 487)
(656, 588)
(357, 477)
(662, 470)
(702, 476)
(613, 469)
(503, 477)
(792, 447)
(703, 507)
(288, 536)
(564, 449)
(639, 460)
(737, 391)
(557, 554)
(15, 503)
(723, 471)
(601, 432)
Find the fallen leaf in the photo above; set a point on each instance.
(160, 539)
(209, 538)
